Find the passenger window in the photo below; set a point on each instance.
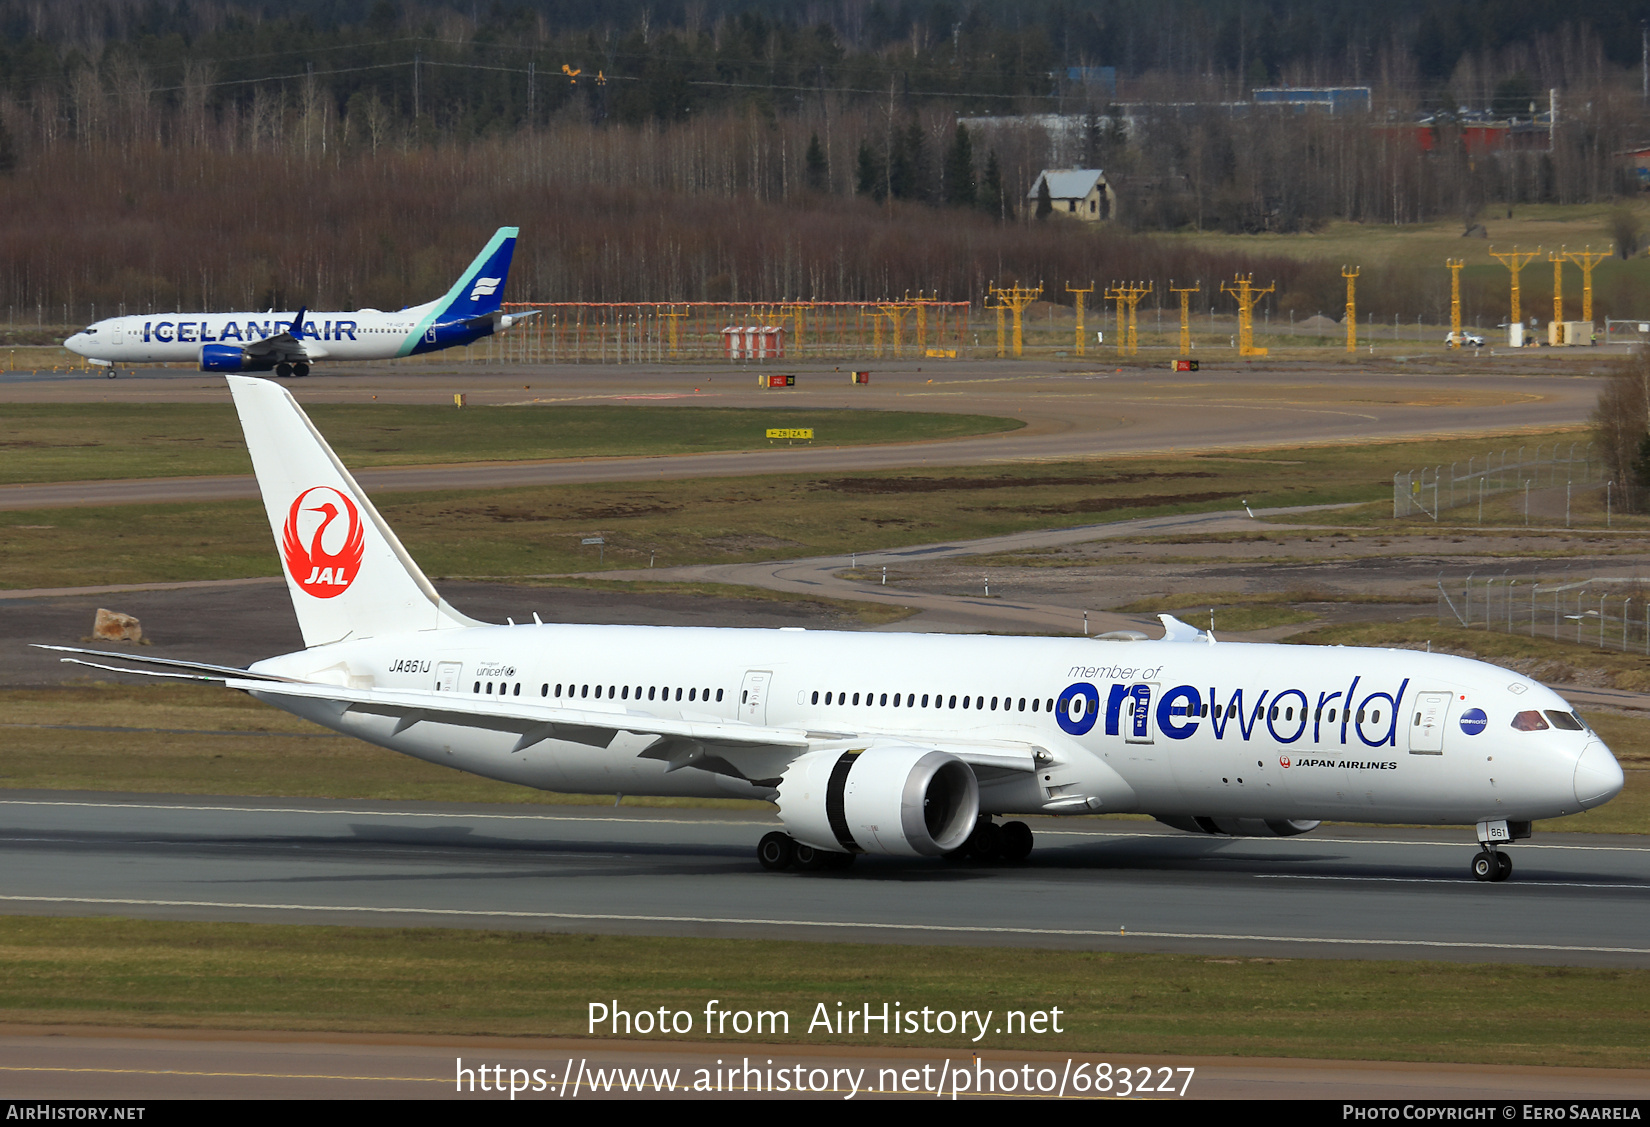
(693, 694)
(718, 694)
(965, 702)
(856, 698)
(884, 700)
(816, 698)
(516, 692)
(953, 701)
(544, 689)
(477, 689)
(650, 691)
(624, 693)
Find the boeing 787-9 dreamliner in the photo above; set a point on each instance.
(288, 343)
(906, 745)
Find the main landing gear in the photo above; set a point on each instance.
(777, 852)
(989, 844)
(300, 369)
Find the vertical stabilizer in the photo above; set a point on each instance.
(479, 291)
(348, 575)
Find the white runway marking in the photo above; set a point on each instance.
(1120, 933)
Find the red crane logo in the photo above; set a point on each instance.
(317, 571)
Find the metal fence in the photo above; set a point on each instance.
(1609, 613)
(1432, 489)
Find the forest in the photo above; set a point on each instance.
(206, 152)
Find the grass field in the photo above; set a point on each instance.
(536, 531)
(1427, 244)
(57, 442)
(246, 976)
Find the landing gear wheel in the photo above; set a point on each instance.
(809, 859)
(776, 852)
(113, 374)
(283, 369)
(1017, 841)
(1503, 867)
(985, 844)
(300, 370)
(1485, 866)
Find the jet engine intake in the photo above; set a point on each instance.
(891, 799)
(228, 358)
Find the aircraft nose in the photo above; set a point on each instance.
(76, 343)
(1598, 776)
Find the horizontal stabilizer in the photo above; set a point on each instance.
(209, 672)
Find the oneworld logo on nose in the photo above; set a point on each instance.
(1473, 721)
(311, 524)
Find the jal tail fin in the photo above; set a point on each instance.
(348, 575)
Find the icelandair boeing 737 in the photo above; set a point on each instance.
(907, 745)
(288, 343)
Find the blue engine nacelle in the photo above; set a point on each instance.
(229, 358)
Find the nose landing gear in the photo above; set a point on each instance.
(1491, 865)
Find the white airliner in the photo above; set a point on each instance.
(897, 744)
(288, 343)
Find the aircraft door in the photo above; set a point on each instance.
(753, 696)
(446, 676)
(1136, 716)
(1426, 723)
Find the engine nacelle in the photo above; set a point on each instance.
(891, 799)
(1240, 827)
(228, 358)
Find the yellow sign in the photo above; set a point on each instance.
(941, 354)
(790, 432)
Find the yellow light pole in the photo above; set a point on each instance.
(1015, 298)
(1119, 295)
(1515, 260)
(1080, 342)
(1247, 296)
(1558, 291)
(1587, 259)
(1351, 306)
(1455, 265)
(1136, 291)
(1185, 314)
(895, 312)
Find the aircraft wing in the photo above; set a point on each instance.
(755, 753)
(284, 347)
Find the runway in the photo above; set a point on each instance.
(1099, 884)
(60, 1063)
(1070, 413)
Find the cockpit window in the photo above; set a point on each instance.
(1568, 721)
(1529, 722)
